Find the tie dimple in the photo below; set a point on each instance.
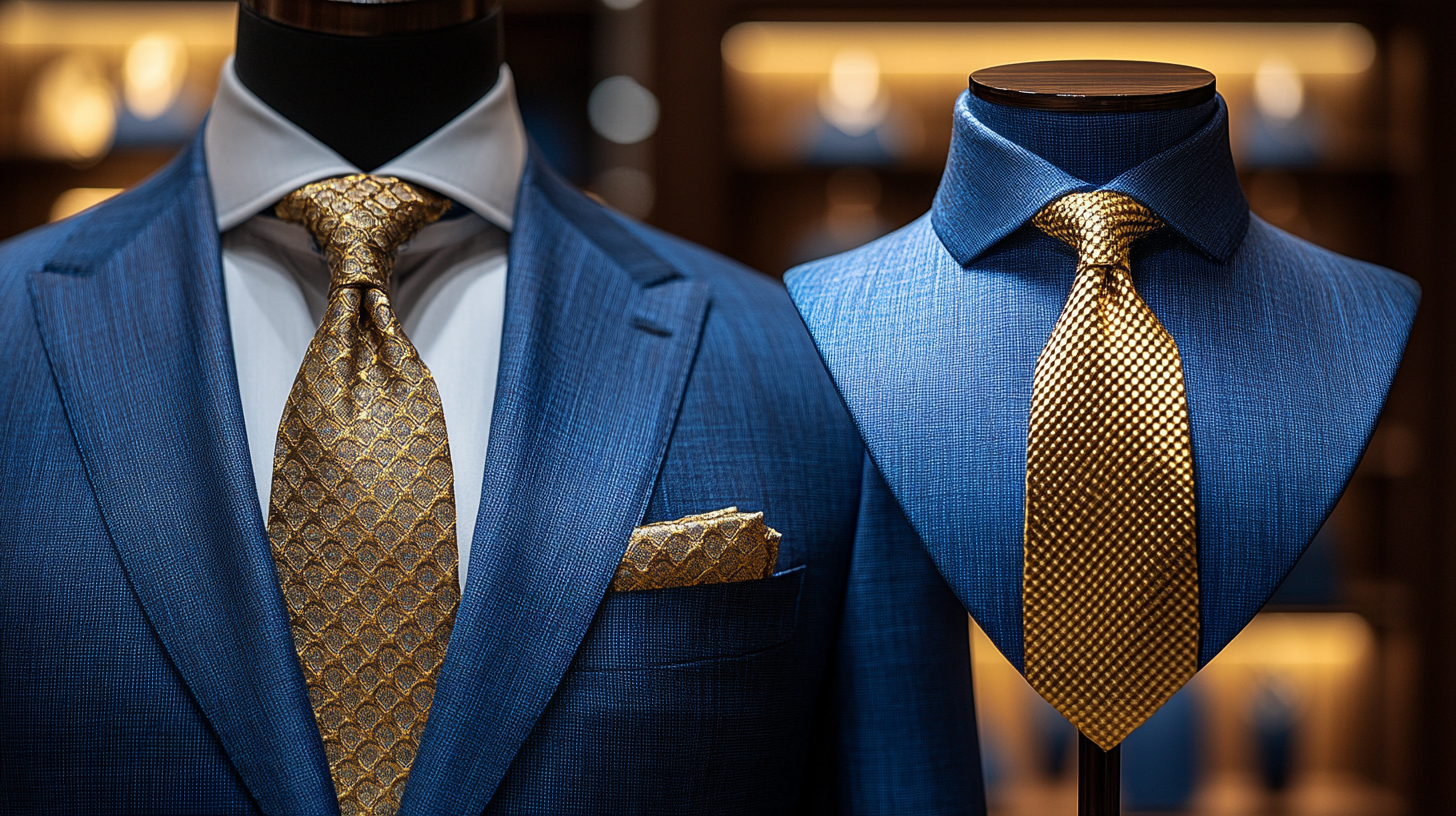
(1110, 570)
(362, 513)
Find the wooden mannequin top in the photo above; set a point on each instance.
(370, 19)
(1094, 86)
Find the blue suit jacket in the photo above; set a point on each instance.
(932, 335)
(145, 659)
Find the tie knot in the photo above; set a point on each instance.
(1100, 225)
(360, 221)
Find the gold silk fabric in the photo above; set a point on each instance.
(1110, 581)
(709, 548)
(362, 514)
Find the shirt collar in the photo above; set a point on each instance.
(255, 156)
(992, 186)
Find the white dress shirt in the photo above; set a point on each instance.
(449, 284)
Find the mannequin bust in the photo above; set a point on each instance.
(1056, 109)
(932, 334)
(321, 63)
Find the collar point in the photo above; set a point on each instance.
(1222, 247)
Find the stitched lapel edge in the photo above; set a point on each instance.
(600, 338)
(134, 321)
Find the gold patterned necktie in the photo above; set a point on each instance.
(1110, 581)
(362, 514)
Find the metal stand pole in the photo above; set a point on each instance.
(1099, 778)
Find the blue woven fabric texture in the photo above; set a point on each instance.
(145, 659)
(892, 668)
(932, 334)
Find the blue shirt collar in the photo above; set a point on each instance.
(992, 186)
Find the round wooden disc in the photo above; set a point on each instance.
(1094, 85)
(371, 18)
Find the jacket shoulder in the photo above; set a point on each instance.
(729, 279)
(75, 243)
(627, 240)
(30, 251)
(753, 335)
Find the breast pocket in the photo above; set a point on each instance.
(665, 627)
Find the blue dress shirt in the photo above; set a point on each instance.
(932, 334)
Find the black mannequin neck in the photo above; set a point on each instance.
(1094, 147)
(368, 98)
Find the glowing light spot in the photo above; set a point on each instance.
(77, 199)
(1278, 89)
(622, 111)
(851, 99)
(73, 115)
(154, 70)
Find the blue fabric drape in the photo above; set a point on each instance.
(932, 333)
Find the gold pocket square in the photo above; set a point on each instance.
(710, 548)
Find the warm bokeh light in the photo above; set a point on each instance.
(1314, 662)
(851, 99)
(80, 198)
(90, 77)
(27, 23)
(1298, 641)
(885, 90)
(155, 66)
(1278, 90)
(959, 48)
(72, 112)
(1281, 641)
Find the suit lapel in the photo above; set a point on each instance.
(136, 329)
(599, 337)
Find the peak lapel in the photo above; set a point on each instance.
(600, 335)
(135, 326)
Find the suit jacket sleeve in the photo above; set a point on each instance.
(897, 733)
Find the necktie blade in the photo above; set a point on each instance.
(362, 514)
(1110, 570)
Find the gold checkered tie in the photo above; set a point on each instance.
(1110, 581)
(362, 515)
